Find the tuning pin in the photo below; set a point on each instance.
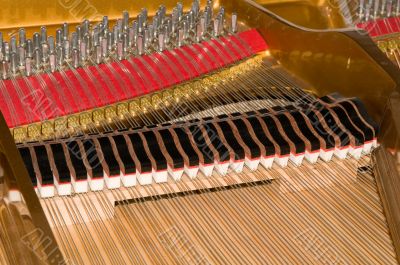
(74, 41)
(21, 56)
(1, 44)
(140, 21)
(210, 3)
(162, 10)
(4, 69)
(85, 27)
(361, 6)
(199, 33)
(59, 38)
(203, 25)
(28, 66)
(29, 49)
(83, 51)
(156, 24)
(222, 15)
(185, 30)
(79, 33)
(13, 63)
(6, 51)
(191, 19)
(175, 19)
(67, 49)
(368, 8)
(216, 28)
(179, 7)
(389, 8)
(97, 54)
(396, 11)
(221, 25)
(52, 62)
(207, 16)
(145, 15)
(146, 38)
(131, 37)
(37, 58)
(120, 50)
(103, 31)
(45, 52)
(106, 24)
(376, 9)
(195, 8)
(110, 41)
(104, 49)
(234, 23)
(135, 27)
(125, 43)
(60, 56)
(180, 37)
(151, 34)
(125, 21)
(13, 44)
(36, 41)
(88, 44)
(382, 8)
(161, 42)
(43, 35)
(50, 41)
(22, 37)
(140, 45)
(169, 26)
(116, 34)
(65, 31)
(96, 37)
(166, 34)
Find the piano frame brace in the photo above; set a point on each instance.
(16, 176)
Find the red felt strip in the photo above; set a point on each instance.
(140, 86)
(173, 72)
(381, 26)
(232, 48)
(16, 101)
(118, 87)
(96, 86)
(181, 68)
(82, 88)
(220, 47)
(253, 39)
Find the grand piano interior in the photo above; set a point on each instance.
(200, 132)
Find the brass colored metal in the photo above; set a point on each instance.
(16, 179)
(73, 121)
(34, 131)
(390, 45)
(313, 14)
(85, 118)
(387, 168)
(98, 116)
(122, 110)
(110, 113)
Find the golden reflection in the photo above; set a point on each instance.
(315, 14)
